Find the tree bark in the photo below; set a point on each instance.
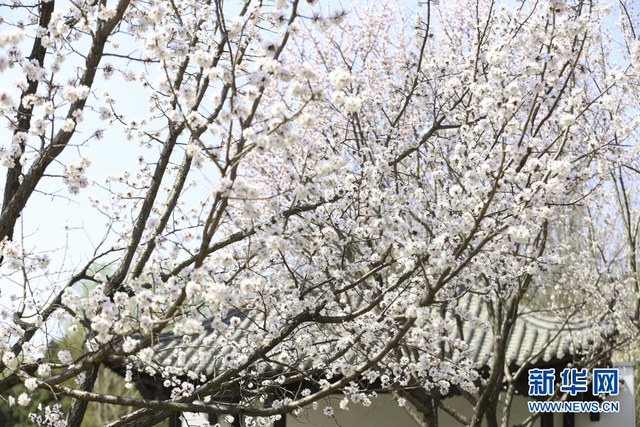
(79, 407)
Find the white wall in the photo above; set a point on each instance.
(193, 420)
(385, 412)
(626, 397)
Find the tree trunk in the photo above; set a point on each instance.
(79, 407)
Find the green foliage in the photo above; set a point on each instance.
(97, 415)
(18, 416)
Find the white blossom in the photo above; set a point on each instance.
(23, 399)
(65, 356)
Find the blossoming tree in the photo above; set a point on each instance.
(316, 189)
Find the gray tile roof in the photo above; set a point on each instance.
(534, 337)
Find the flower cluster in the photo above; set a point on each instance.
(73, 176)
